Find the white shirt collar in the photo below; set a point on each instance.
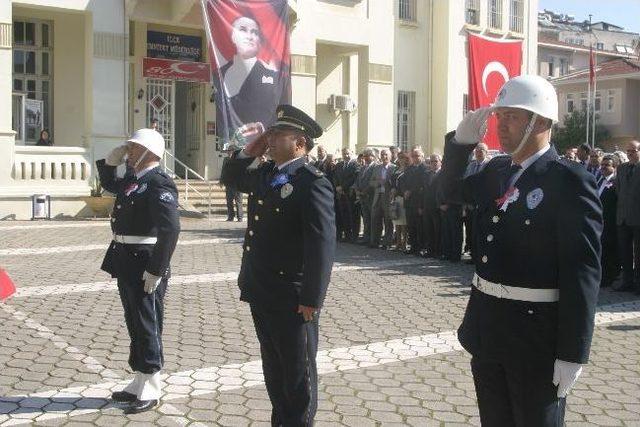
(287, 163)
(528, 162)
(144, 171)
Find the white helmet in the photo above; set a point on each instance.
(149, 139)
(531, 93)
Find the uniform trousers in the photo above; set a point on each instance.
(629, 253)
(288, 346)
(143, 314)
(515, 392)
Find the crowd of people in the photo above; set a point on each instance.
(393, 197)
(618, 178)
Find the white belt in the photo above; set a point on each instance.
(514, 293)
(135, 240)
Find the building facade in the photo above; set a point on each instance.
(373, 73)
(563, 43)
(431, 82)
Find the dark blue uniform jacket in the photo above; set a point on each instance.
(290, 240)
(548, 238)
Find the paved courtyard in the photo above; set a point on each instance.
(388, 349)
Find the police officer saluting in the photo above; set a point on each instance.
(145, 225)
(288, 254)
(530, 317)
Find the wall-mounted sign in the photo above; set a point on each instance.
(174, 46)
(176, 70)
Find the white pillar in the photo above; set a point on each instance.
(108, 51)
(7, 135)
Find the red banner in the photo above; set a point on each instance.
(491, 63)
(176, 70)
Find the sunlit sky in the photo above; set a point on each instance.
(624, 13)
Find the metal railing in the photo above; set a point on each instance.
(187, 186)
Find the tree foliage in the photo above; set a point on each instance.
(574, 131)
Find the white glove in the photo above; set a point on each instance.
(473, 126)
(151, 282)
(116, 156)
(565, 375)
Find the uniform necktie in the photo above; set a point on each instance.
(513, 170)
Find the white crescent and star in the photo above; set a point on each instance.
(493, 67)
(176, 67)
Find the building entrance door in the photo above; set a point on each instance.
(189, 130)
(161, 106)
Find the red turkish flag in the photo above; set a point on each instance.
(7, 288)
(491, 63)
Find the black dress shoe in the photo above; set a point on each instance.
(123, 396)
(140, 406)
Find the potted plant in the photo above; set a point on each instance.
(99, 203)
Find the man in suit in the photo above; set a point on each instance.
(609, 199)
(413, 187)
(530, 318)
(431, 213)
(345, 179)
(628, 218)
(145, 225)
(364, 191)
(322, 158)
(381, 204)
(288, 254)
(480, 160)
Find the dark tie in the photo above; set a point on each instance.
(514, 169)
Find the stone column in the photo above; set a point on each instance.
(7, 135)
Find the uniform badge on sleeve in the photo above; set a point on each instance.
(286, 190)
(534, 198)
(166, 197)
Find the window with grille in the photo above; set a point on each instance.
(516, 16)
(583, 101)
(495, 14)
(405, 130)
(472, 12)
(611, 100)
(570, 103)
(407, 10)
(32, 69)
(597, 102)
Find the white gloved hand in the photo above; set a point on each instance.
(565, 375)
(151, 282)
(473, 126)
(116, 156)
